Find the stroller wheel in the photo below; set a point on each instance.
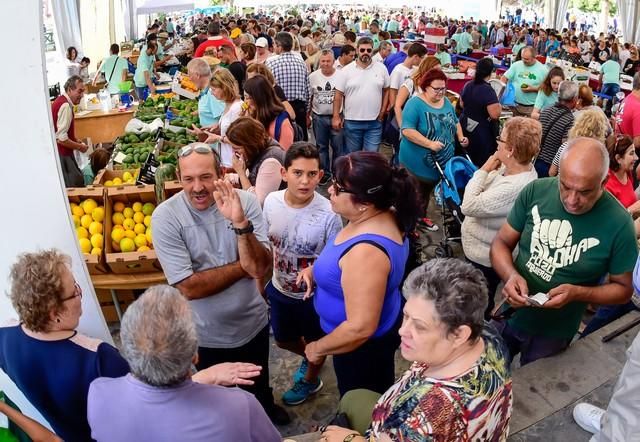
(443, 251)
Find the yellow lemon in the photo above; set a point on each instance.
(108, 183)
(129, 234)
(129, 224)
(143, 249)
(128, 212)
(126, 176)
(115, 246)
(140, 229)
(147, 220)
(77, 210)
(85, 245)
(95, 227)
(117, 235)
(72, 206)
(86, 221)
(96, 251)
(117, 181)
(88, 205)
(138, 217)
(149, 236)
(82, 232)
(117, 218)
(98, 214)
(148, 208)
(127, 245)
(118, 206)
(137, 206)
(140, 240)
(76, 220)
(131, 181)
(97, 240)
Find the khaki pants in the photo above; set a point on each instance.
(522, 111)
(621, 422)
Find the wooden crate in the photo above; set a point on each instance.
(95, 264)
(171, 188)
(132, 262)
(108, 175)
(125, 298)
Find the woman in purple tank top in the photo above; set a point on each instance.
(357, 276)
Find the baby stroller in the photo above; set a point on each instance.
(448, 194)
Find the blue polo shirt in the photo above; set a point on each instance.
(394, 60)
(209, 108)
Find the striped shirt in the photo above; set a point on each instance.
(290, 72)
(556, 122)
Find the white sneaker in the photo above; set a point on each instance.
(588, 417)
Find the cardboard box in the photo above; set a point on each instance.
(175, 87)
(95, 264)
(171, 188)
(108, 175)
(132, 262)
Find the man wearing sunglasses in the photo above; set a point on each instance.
(363, 88)
(212, 243)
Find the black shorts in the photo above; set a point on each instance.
(292, 318)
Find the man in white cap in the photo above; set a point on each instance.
(262, 50)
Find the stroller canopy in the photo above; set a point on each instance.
(457, 173)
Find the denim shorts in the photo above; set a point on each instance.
(292, 319)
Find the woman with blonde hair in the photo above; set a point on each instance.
(590, 123)
(411, 86)
(225, 88)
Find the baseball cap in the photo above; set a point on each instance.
(235, 33)
(262, 42)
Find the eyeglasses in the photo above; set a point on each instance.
(77, 292)
(367, 50)
(500, 140)
(439, 90)
(338, 189)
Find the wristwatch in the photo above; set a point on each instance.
(350, 437)
(248, 229)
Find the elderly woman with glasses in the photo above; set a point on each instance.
(493, 190)
(429, 131)
(360, 309)
(458, 387)
(49, 361)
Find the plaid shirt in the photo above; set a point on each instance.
(290, 72)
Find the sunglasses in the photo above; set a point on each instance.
(77, 292)
(367, 50)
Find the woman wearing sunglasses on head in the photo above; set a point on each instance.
(358, 274)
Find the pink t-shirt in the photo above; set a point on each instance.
(628, 117)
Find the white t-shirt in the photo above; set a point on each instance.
(323, 90)
(362, 89)
(297, 235)
(226, 151)
(378, 58)
(399, 75)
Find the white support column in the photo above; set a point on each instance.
(34, 203)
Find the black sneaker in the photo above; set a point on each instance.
(325, 178)
(278, 415)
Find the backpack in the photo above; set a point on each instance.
(298, 134)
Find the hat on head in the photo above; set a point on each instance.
(262, 42)
(163, 35)
(235, 33)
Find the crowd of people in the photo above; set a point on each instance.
(251, 245)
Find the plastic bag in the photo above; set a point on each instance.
(508, 97)
(136, 126)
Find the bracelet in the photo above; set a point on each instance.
(248, 229)
(350, 437)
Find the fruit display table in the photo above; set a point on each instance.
(135, 281)
(100, 126)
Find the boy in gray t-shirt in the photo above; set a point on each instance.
(300, 222)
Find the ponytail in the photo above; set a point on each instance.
(405, 199)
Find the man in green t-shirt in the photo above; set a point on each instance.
(526, 76)
(570, 233)
(114, 68)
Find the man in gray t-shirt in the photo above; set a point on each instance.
(212, 243)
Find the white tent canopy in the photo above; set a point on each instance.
(158, 6)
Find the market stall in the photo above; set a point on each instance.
(102, 126)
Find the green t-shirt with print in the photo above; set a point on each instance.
(556, 247)
(519, 74)
(610, 70)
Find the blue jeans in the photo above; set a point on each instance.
(324, 134)
(610, 89)
(542, 168)
(531, 348)
(607, 314)
(362, 135)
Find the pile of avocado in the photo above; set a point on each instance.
(181, 137)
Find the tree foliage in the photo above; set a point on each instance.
(593, 6)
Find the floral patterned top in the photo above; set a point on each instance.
(475, 406)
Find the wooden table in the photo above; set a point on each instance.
(102, 127)
(134, 281)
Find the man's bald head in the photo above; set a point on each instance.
(584, 166)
